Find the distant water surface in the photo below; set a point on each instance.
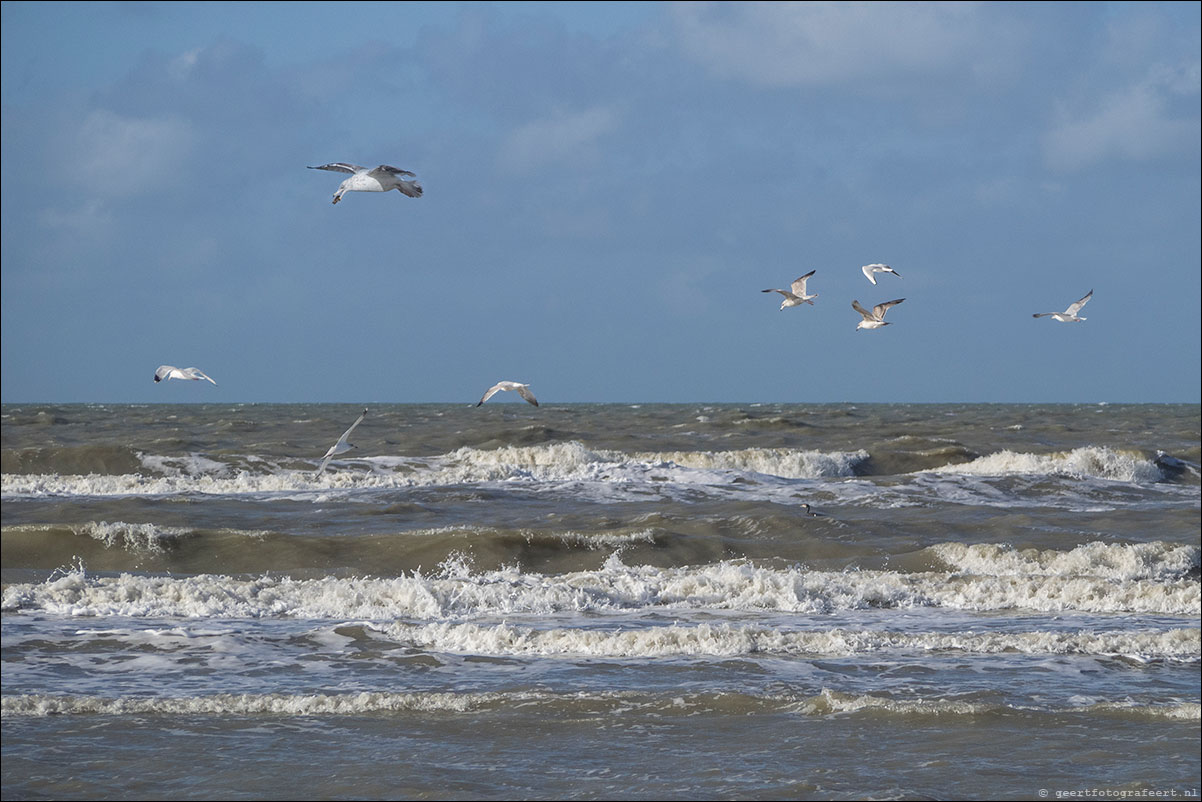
(600, 601)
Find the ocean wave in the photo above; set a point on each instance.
(725, 640)
(833, 702)
(786, 463)
(547, 463)
(275, 704)
(125, 535)
(824, 703)
(1118, 561)
(727, 585)
(1094, 462)
(102, 459)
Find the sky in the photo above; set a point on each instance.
(608, 188)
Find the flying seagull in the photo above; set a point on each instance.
(798, 296)
(876, 318)
(342, 446)
(523, 391)
(172, 372)
(377, 179)
(1068, 315)
(870, 271)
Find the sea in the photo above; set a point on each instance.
(601, 601)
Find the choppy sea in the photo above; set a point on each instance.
(613, 601)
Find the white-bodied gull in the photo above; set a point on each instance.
(798, 296)
(870, 271)
(342, 446)
(1068, 315)
(377, 179)
(523, 391)
(876, 318)
(172, 372)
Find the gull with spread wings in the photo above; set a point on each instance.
(172, 372)
(342, 446)
(1068, 315)
(870, 271)
(876, 318)
(523, 391)
(377, 179)
(798, 296)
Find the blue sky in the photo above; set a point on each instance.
(608, 188)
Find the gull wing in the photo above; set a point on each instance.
(866, 314)
(163, 372)
(525, 393)
(1075, 308)
(799, 284)
(496, 388)
(785, 293)
(868, 271)
(411, 189)
(879, 310)
(341, 445)
(347, 433)
(385, 169)
(339, 167)
(198, 374)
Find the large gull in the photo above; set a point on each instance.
(870, 271)
(377, 179)
(172, 372)
(523, 391)
(1068, 315)
(342, 446)
(876, 318)
(798, 296)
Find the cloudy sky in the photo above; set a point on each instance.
(608, 188)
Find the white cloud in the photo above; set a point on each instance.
(558, 138)
(1135, 123)
(824, 43)
(116, 156)
(87, 220)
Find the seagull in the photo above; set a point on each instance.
(798, 296)
(876, 318)
(378, 179)
(523, 391)
(1067, 316)
(342, 446)
(172, 372)
(871, 270)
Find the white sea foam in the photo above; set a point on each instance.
(245, 704)
(827, 702)
(1118, 561)
(787, 463)
(834, 702)
(549, 463)
(725, 640)
(1090, 462)
(727, 585)
(134, 537)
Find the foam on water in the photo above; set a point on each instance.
(724, 640)
(1089, 462)
(832, 702)
(548, 463)
(1116, 561)
(825, 703)
(727, 585)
